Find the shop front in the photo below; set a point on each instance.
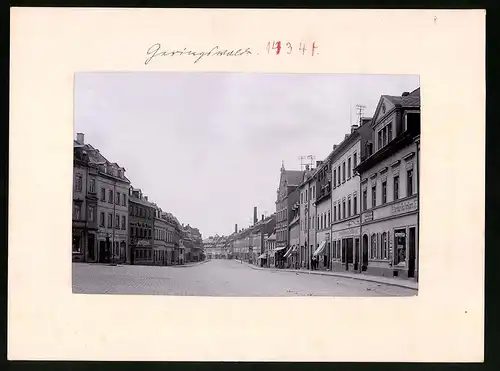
(345, 245)
(324, 257)
(390, 245)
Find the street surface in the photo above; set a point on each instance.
(219, 278)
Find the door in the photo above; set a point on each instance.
(356, 253)
(102, 251)
(365, 253)
(411, 252)
(91, 247)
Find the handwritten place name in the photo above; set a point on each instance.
(155, 51)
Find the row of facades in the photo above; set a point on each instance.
(114, 222)
(357, 210)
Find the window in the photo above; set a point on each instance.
(355, 160)
(103, 194)
(374, 196)
(334, 177)
(365, 199)
(385, 249)
(301, 198)
(306, 196)
(117, 222)
(343, 209)
(409, 182)
(348, 208)
(384, 136)
(389, 130)
(396, 188)
(335, 213)
(373, 250)
(110, 220)
(78, 183)
(348, 168)
(92, 186)
(76, 212)
(132, 231)
(384, 192)
(380, 139)
(124, 222)
(101, 220)
(110, 196)
(343, 171)
(355, 204)
(329, 220)
(91, 214)
(340, 216)
(338, 172)
(76, 244)
(117, 200)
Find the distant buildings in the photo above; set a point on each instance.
(115, 223)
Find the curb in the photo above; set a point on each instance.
(189, 265)
(366, 279)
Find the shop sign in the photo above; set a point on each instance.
(404, 207)
(368, 216)
(348, 232)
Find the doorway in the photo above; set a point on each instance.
(102, 252)
(411, 252)
(365, 253)
(91, 247)
(356, 253)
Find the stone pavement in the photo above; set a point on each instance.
(400, 282)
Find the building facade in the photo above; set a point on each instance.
(345, 195)
(323, 214)
(389, 186)
(292, 254)
(287, 195)
(307, 190)
(84, 234)
(141, 224)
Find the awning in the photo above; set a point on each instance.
(280, 248)
(289, 251)
(320, 248)
(263, 256)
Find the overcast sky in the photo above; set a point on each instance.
(208, 147)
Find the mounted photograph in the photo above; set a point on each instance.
(246, 184)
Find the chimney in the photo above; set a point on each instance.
(146, 198)
(262, 217)
(255, 215)
(307, 167)
(353, 128)
(406, 93)
(346, 136)
(318, 163)
(335, 147)
(80, 138)
(236, 228)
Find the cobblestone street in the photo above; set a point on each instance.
(219, 278)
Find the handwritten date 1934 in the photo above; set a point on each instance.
(277, 47)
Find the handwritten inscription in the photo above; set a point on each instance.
(404, 207)
(277, 47)
(155, 51)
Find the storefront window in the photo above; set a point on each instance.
(400, 250)
(76, 244)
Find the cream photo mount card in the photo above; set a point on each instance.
(309, 288)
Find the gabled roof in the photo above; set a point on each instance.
(293, 177)
(411, 100)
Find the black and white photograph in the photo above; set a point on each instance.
(246, 184)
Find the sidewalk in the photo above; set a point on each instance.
(400, 282)
(186, 265)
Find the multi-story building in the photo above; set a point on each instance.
(108, 182)
(389, 188)
(141, 221)
(292, 254)
(323, 206)
(160, 227)
(345, 197)
(85, 228)
(307, 236)
(256, 238)
(270, 246)
(287, 195)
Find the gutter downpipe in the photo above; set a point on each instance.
(418, 205)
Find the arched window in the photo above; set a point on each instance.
(373, 250)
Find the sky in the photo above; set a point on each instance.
(208, 147)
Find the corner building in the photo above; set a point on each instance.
(389, 188)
